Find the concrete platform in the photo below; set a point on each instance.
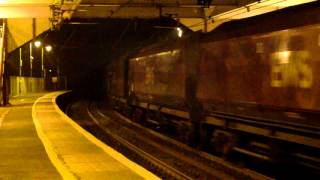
(38, 141)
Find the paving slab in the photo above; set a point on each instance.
(22, 154)
(75, 152)
(38, 141)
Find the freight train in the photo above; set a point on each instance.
(250, 86)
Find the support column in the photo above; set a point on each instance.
(205, 21)
(42, 65)
(4, 77)
(20, 70)
(20, 61)
(31, 58)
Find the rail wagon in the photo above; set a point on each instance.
(246, 86)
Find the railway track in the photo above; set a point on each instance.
(161, 166)
(161, 155)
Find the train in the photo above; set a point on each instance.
(249, 86)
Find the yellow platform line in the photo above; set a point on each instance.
(3, 116)
(113, 153)
(59, 165)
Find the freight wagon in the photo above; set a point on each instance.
(250, 86)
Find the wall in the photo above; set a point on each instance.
(24, 85)
(22, 30)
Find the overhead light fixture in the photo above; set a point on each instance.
(48, 48)
(37, 43)
(179, 32)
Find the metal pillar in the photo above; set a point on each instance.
(42, 65)
(31, 58)
(20, 69)
(205, 20)
(43, 72)
(20, 62)
(5, 92)
(58, 74)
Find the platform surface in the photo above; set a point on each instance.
(38, 141)
(22, 154)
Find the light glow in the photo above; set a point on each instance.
(37, 44)
(257, 8)
(165, 53)
(48, 48)
(284, 57)
(179, 32)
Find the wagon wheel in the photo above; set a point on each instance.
(163, 120)
(185, 132)
(137, 115)
(148, 115)
(128, 111)
(205, 136)
(223, 144)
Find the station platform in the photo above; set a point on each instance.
(38, 141)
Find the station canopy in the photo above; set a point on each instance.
(197, 15)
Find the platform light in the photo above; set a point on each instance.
(179, 32)
(48, 48)
(37, 43)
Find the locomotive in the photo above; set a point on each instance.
(250, 86)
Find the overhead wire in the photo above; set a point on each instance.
(230, 17)
(121, 35)
(120, 7)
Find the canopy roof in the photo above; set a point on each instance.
(40, 15)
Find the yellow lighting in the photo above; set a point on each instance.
(37, 44)
(257, 8)
(25, 8)
(166, 53)
(179, 32)
(282, 57)
(19, 2)
(48, 48)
